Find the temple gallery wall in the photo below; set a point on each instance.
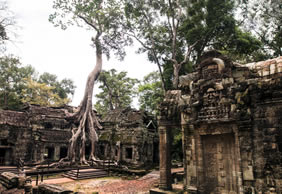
(231, 121)
(36, 134)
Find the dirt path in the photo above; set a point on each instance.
(142, 185)
(114, 185)
(54, 181)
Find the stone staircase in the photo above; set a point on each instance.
(85, 174)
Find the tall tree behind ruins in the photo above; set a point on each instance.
(175, 33)
(117, 91)
(105, 19)
(20, 84)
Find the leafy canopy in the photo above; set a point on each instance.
(11, 75)
(19, 84)
(263, 18)
(118, 91)
(64, 88)
(214, 25)
(156, 26)
(150, 93)
(41, 94)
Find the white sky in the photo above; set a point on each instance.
(68, 53)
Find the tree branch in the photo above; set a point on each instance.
(189, 50)
(139, 40)
(174, 31)
(89, 23)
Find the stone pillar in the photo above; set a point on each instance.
(165, 158)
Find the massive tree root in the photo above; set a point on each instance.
(85, 118)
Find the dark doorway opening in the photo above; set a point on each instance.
(156, 152)
(50, 153)
(128, 153)
(102, 150)
(63, 152)
(2, 156)
(116, 151)
(88, 151)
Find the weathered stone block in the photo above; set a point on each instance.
(52, 189)
(9, 180)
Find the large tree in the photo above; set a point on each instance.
(40, 93)
(64, 88)
(213, 23)
(175, 33)
(117, 91)
(12, 74)
(105, 19)
(156, 26)
(20, 84)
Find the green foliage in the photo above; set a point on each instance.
(64, 88)
(213, 23)
(118, 91)
(156, 25)
(176, 33)
(11, 75)
(19, 84)
(41, 94)
(150, 93)
(264, 20)
(176, 147)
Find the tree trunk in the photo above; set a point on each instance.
(85, 117)
(176, 69)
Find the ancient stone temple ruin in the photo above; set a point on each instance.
(36, 134)
(231, 120)
(33, 134)
(130, 137)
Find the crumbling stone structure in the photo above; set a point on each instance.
(33, 134)
(230, 115)
(128, 136)
(12, 183)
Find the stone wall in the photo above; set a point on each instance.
(31, 133)
(128, 136)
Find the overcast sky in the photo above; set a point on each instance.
(66, 53)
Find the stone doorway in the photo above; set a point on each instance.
(156, 152)
(50, 153)
(128, 153)
(2, 156)
(63, 152)
(5, 156)
(219, 164)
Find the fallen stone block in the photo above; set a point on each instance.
(52, 189)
